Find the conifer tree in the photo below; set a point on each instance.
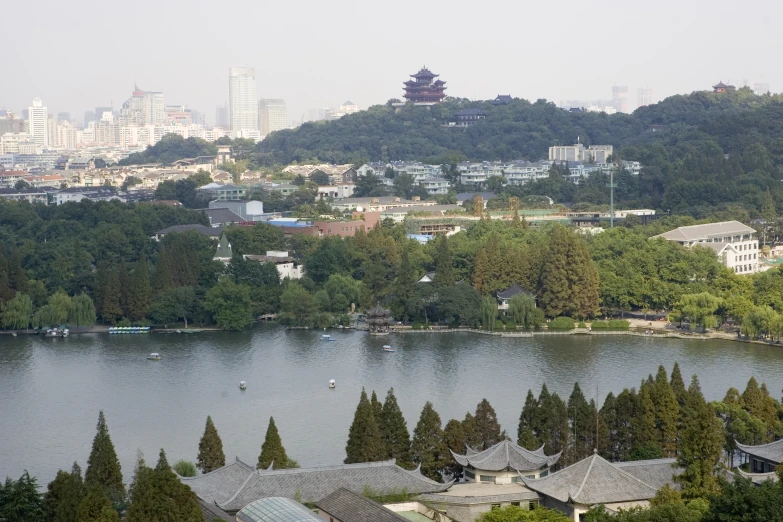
(122, 276)
(17, 278)
(64, 495)
(210, 449)
(405, 283)
(555, 423)
(139, 290)
(444, 268)
(103, 466)
(159, 495)
(472, 437)
(608, 419)
(582, 426)
(111, 309)
(526, 432)
(678, 385)
(102, 274)
(365, 443)
(666, 414)
(377, 408)
(394, 430)
(733, 397)
(627, 425)
(701, 446)
(645, 420)
(272, 450)
(20, 500)
(569, 279)
(454, 438)
(487, 425)
(428, 447)
(96, 507)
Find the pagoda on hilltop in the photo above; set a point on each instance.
(424, 89)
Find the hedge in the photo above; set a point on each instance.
(613, 324)
(561, 323)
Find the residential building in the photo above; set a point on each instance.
(644, 97)
(468, 117)
(505, 296)
(374, 204)
(578, 152)
(272, 115)
(398, 214)
(143, 108)
(286, 265)
(38, 119)
(67, 135)
(76, 194)
(348, 107)
(423, 89)
(29, 195)
(211, 232)
(242, 100)
(63, 116)
(221, 116)
(345, 190)
(223, 192)
(219, 217)
(735, 244)
(435, 186)
(339, 228)
(247, 210)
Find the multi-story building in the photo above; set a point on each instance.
(424, 89)
(644, 97)
(242, 101)
(38, 121)
(63, 116)
(735, 244)
(578, 152)
(143, 108)
(620, 98)
(67, 135)
(272, 115)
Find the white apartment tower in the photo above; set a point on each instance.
(144, 108)
(242, 100)
(272, 115)
(38, 120)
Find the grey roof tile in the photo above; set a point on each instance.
(656, 472)
(709, 230)
(506, 455)
(772, 452)
(347, 506)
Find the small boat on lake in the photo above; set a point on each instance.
(189, 331)
(332, 384)
(242, 385)
(154, 356)
(58, 332)
(387, 348)
(327, 337)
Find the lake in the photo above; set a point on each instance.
(51, 389)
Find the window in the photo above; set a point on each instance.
(486, 478)
(495, 506)
(515, 503)
(470, 474)
(544, 473)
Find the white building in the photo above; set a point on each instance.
(38, 120)
(144, 108)
(272, 115)
(242, 101)
(578, 152)
(286, 265)
(67, 135)
(435, 186)
(733, 243)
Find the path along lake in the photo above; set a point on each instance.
(51, 389)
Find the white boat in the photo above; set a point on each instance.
(387, 348)
(326, 337)
(242, 385)
(154, 356)
(332, 384)
(57, 332)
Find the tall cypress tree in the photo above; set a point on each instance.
(64, 495)
(444, 267)
(365, 443)
(454, 438)
(553, 422)
(678, 385)
(210, 449)
(666, 414)
(377, 408)
(627, 426)
(394, 431)
(405, 283)
(103, 466)
(608, 418)
(96, 507)
(159, 495)
(122, 275)
(428, 446)
(526, 432)
(469, 427)
(111, 309)
(272, 450)
(701, 446)
(139, 290)
(487, 425)
(582, 425)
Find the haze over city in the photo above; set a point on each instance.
(313, 54)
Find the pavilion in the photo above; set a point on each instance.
(378, 320)
(763, 460)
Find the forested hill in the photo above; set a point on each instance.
(525, 130)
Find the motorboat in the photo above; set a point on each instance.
(242, 385)
(387, 348)
(327, 337)
(154, 356)
(332, 384)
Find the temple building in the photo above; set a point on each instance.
(378, 320)
(423, 89)
(762, 460)
(504, 463)
(722, 87)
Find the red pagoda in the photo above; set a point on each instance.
(422, 90)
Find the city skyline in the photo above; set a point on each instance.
(728, 44)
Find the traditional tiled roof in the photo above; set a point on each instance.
(478, 493)
(759, 478)
(212, 512)
(772, 452)
(221, 216)
(511, 291)
(506, 455)
(591, 481)
(470, 112)
(347, 506)
(378, 311)
(710, 230)
(236, 485)
(656, 472)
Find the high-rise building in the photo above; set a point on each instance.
(272, 115)
(144, 108)
(88, 117)
(620, 98)
(63, 116)
(221, 116)
(38, 118)
(761, 88)
(644, 97)
(242, 100)
(99, 112)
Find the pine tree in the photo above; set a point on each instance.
(111, 309)
(608, 419)
(444, 268)
(20, 500)
(96, 507)
(405, 282)
(159, 495)
(666, 414)
(377, 408)
(569, 279)
(139, 291)
(103, 466)
(365, 443)
(394, 431)
(64, 495)
(678, 385)
(210, 449)
(627, 428)
(701, 446)
(582, 426)
(526, 432)
(555, 424)
(454, 438)
(124, 283)
(469, 427)
(487, 425)
(428, 446)
(645, 420)
(272, 450)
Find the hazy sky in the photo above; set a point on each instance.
(80, 54)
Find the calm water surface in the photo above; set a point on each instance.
(51, 389)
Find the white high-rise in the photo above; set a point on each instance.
(242, 101)
(144, 108)
(272, 115)
(38, 117)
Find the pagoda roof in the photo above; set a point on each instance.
(378, 311)
(772, 452)
(506, 455)
(424, 73)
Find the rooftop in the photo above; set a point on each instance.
(207, 231)
(709, 230)
(220, 216)
(347, 506)
(276, 509)
(772, 452)
(478, 493)
(512, 291)
(506, 455)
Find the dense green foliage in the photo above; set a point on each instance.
(170, 148)
(103, 466)
(518, 514)
(365, 441)
(210, 449)
(272, 451)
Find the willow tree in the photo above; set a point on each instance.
(18, 312)
(488, 312)
(82, 312)
(522, 309)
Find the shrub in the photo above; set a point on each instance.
(561, 323)
(613, 324)
(417, 326)
(185, 468)
(581, 325)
